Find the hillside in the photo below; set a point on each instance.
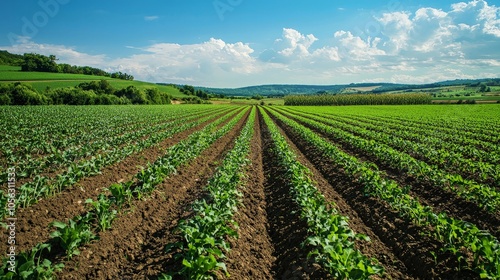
(43, 80)
(7, 58)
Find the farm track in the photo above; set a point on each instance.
(394, 268)
(134, 247)
(70, 202)
(286, 229)
(402, 238)
(441, 200)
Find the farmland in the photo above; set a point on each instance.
(251, 192)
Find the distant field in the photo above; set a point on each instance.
(9, 68)
(40, 80)
(267, 101)
(455, 93)
(360, 89)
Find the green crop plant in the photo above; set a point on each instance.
(72, 235)
(31, 266)
(102, 212)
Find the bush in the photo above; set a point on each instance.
(22, 94)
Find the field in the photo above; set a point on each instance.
(251, 192)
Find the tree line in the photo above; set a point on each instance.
(88, 93)
(33, 62)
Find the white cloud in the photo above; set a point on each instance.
(296, 43)
(151, 18)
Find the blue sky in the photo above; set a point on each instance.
(233, 43)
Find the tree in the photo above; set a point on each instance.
(39, 63)
(22, 94)
(135, 95)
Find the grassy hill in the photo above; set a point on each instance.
(41, 80)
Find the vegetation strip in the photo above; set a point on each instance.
(332, 239)
(455, 234)
(357, 99)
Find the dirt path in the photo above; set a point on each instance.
(251, 256)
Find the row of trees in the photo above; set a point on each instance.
(91, 93)
(33, 62)
(190, 90)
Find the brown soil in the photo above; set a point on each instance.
(402, 238)
(134, 247)
(33, 221)
(286, 229)
(251, 256)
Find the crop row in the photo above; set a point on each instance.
(57, 158)
(485, 196)
(433, 134)
(41, 186)
(456, 235)
(82, 229)
(357, 99)
(444, 158)
(203, 246)
(331, 239)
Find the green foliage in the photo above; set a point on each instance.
(88, 93)
(357, 99)
(31, 266)
(7, 58)
(121, 193)
(72, 235)
(103, 214)
(39, 63)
